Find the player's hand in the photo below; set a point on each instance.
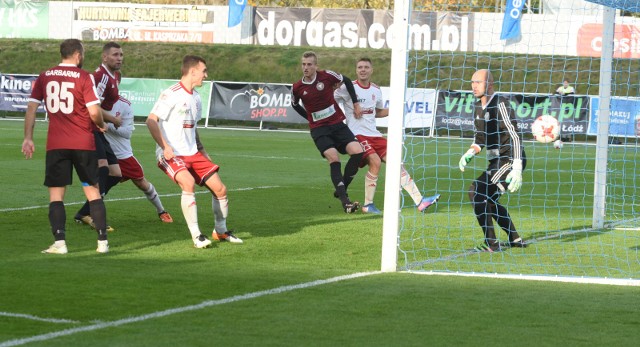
(28, 148)
(117, 122)
(514, 178)
(466, 158)
(357, 110)
(168, 153)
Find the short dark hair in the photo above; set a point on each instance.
(69, 47)
(566, 80)
(365, 59)
(190, 61)
(107, 46)
(310, 54)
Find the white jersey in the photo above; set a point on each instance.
(179, 112)
(369, 98)
(120, 138)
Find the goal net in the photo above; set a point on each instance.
(579, 205)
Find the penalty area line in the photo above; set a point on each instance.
(13, 209)
(31, 317)
(172, 311)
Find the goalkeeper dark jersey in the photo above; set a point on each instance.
(496, 129)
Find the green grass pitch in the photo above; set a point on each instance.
(146, 291)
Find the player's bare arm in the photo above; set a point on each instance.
(382, 112)
(154, 129)
(108, 117)
(29, 123)
(200, 146)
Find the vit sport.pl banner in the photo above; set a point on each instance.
(455, 110)
(316, 27)
(253, 102)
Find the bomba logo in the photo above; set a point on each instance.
(260, 103)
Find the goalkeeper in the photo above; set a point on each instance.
(496, 129)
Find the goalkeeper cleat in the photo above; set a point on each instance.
(165, 217)
(89, 221)
(370, 208)
(226, 237)
(486, 248)
(519, 243)
(351, 207)
(201, 242)
(103, 246)
(56, 249)
(428, 201)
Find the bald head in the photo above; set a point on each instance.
(482, 83)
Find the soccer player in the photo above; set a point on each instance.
(372, 141)
(326, 122)
(172, 124)
(73, 107)
(120, 141)
(106, 78)
(497, 130)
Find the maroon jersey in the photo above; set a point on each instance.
(67, 91)
(317, 97)
(107, 87)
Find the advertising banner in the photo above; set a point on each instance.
(511, 21)
(418, 107)
(624, 119)
(455, 110)
(253, 102)
(15, 91)
(276, 26)
(139, 22)
(144, 92)
(626, 41)
(24, 19)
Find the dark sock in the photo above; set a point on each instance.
(112, 181)
(338, 183)
(103, 183)
(57, 219)
(99, 216)
(351, 169)
(483, 214)
(505, 222)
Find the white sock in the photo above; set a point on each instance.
(60, 243)
(152, 195)
(407, 183)
(190, 212)
(220, 211)
(370, 184)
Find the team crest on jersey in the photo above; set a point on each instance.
(320, 86)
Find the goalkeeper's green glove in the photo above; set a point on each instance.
(466, 158)
(514, 178)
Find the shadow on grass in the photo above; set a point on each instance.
(567, 234)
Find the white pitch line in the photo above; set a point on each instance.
(31, 317)
(13, 209)
(172, 311)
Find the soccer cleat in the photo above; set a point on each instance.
(165, 217)
(103, 246)
(89, 221)
(201, 242)
(428, 201)
(370, 208)
(519, 243)
(226, 237)
(54, 249)
(351, 207)
(486, 248)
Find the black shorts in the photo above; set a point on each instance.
(336, 136)
(60, 164)
(491, 184)
(103, 148)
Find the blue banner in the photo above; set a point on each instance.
(236, 11)
(624, 119)
(627, 5)
(511, 22)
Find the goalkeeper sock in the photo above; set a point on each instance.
(406, 182)
(351, 168)
(505, 222)
(190, 212)
(370, 184)
(220, 212)
(336, 178)
(57, 219)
